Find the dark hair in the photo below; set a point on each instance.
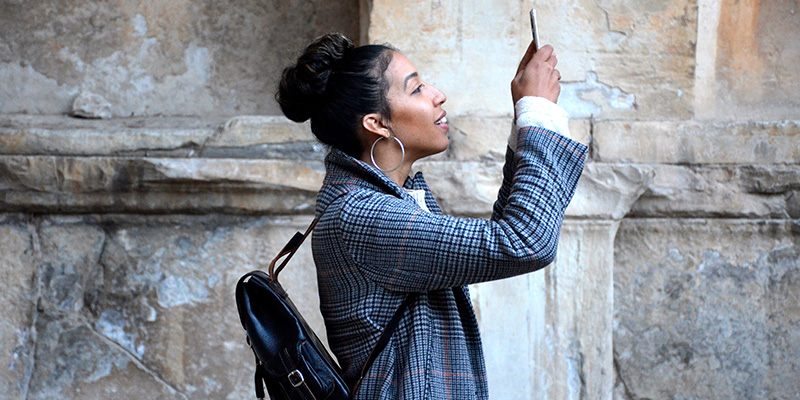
(336, 84)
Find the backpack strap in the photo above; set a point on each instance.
(295, 242)
(383, 340)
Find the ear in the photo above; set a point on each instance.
(373, 123)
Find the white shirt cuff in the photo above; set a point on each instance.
(540, 112)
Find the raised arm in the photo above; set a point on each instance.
(403, 248)
(535, 89)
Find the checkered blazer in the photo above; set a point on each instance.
(375, 244)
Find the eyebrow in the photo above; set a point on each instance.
(411, 75)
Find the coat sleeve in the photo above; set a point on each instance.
(403, 248)
(498, 210)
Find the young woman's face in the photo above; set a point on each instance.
(417, 114)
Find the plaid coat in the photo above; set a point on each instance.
(375, 244)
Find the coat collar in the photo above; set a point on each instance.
(344, 170)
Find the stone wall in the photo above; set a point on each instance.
(122, 238)
(156, 58)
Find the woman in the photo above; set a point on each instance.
(383, 236)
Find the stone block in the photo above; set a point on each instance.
(264, 137)
(633, 60)
(18, 291)
(70, 250)
(157, 184)
(268, 186)
(250, 130)
(58, 135)
(160, 57)
(604, 191)
(746, 60)
(706, 309)
(134, 306)
(470, 51)
(187, 269)
(758, 191)
(695, 142)
(251, 137)
(74, 361)
(611, 71)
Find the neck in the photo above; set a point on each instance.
(400, 174)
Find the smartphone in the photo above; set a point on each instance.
(534, 29)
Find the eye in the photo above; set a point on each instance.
(418, 88)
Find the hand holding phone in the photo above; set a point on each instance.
(537, 74)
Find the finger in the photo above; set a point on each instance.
(552, 61)
(527, 57)
(544, 53)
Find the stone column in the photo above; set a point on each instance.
(548, 335)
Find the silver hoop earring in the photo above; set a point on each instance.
(372, 154)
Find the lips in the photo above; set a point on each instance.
(441, 121)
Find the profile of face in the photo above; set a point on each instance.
(417, 117)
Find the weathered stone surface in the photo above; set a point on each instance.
(706, 309)
(772, 142)
(90, 105)
(70, 251)
(610, 70)
(17, 293)
(690, 108)
(157, 184)
(248, 130)
(159, 57)
(73, 357)
(58, 135)
(137, 302)
(468, 59)
(74, 361)
(186, 271)
(759, 191)
(608, 191)
(747, 58)
(464, 188)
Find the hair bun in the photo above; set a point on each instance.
(303, 85)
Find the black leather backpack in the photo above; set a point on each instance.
(290, 359)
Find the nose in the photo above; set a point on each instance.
(438, 96)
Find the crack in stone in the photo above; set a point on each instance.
(37, 296)
(608, 19)
(210, 139)
(628, 393)
(191, 147)
(137, 361)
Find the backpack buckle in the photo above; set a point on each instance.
(296, 378)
